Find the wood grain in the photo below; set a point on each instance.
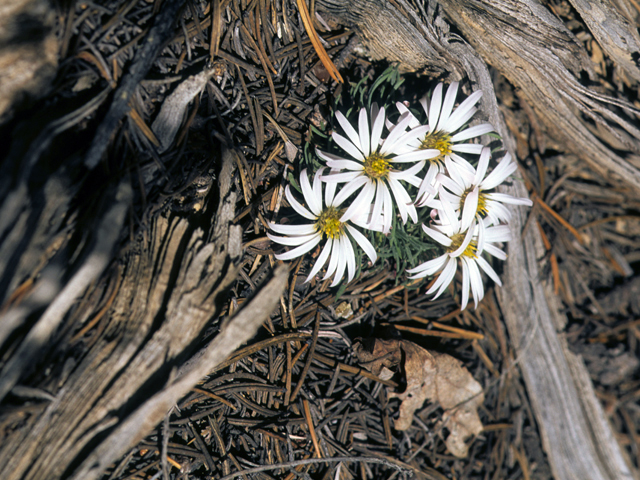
(543, 60)
(119, 378)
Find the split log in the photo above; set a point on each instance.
(101, 334)
(544, 61)
(122, 345)
(28, 53)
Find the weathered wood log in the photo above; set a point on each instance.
(125, 343)
(534, 50)
(28, 52)
(614, 32)
(526, 44)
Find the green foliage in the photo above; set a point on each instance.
(406, 245)
(294, 183)
(385, 91)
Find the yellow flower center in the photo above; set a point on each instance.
(439, 141)
(376, 166)
(456, 242)
(481, 210)
(329, 222)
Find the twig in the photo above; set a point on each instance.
(311, 461)
(141, 64)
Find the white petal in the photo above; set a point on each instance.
(454, 183)
(364, 243)
(435, 107)
(394, 136)
(389, 124)
(445, 278)
(469, 209)
(351, 258)
(429, 268)
(348, 189)
(341, 177)
(457, 121)
(387, 211)
(342, 164)
(361, 202)
(481, 234)
(504, 198)
(413, 137)
(477, 288)
(483, 163)
(329, 192)
(348, 147)
(292, 229)
(495, 251)
(499, 233)
(348, 129)
(322, 259)
(416, 156)
(465, 243)
(406, 174)
(497, 212)
(315, 203)
(500, 173)
(448, 214)
(317, 184)
(375, 110)
(427, 190)
(488, 270)
(333, 261)
(378, 203)
(402, 108)
(465, 284)
(437, 236)
(447, 105)
(365, 220)
(472, 132)
(404, 111)
(328, 157)
(413, 180)
(294, 240)
(449, 198)
(403, 201)
(459, 163)
(297, 206)
(363, 127)
(474, 148)
(376, 129)
(464, 112)
(342, 261)
(301, 250)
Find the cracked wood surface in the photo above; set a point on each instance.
(127, 336)
(533, 49)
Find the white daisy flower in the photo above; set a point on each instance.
(442, 122)
(371, 169)
(464, 247)
(326, 224)
(469, 191)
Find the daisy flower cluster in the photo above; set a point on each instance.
(416, 170)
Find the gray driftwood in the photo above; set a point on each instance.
(120, 337)
(534, 51)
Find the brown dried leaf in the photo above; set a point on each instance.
(436, 377)
(381, 353)
(460, 395)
